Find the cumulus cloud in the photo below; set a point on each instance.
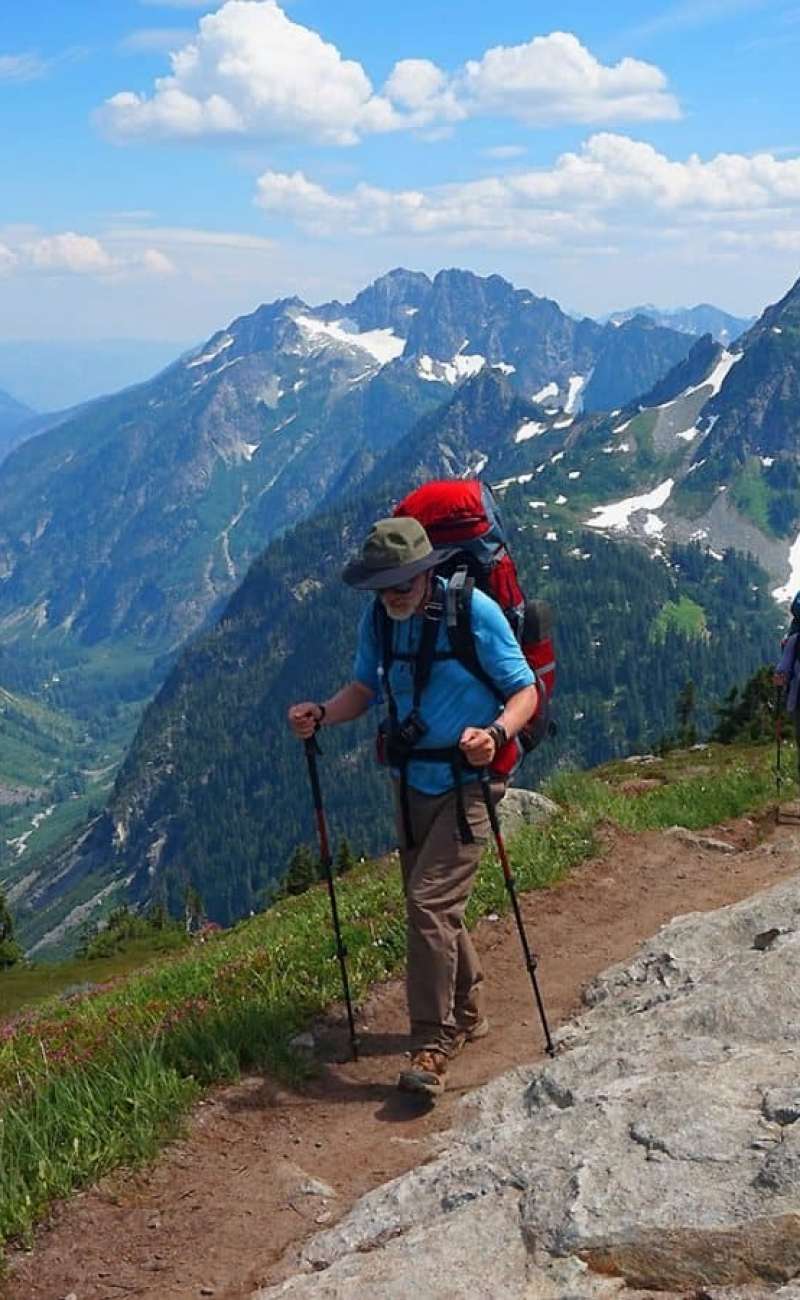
(556, 79)
(69, 253)
(251, 71)
(612, 184)
(79, 254)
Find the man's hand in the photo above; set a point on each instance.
(477, 746)
(304, 718)
(779, 679)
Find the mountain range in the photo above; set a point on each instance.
(137, 516)
(702, 319)
(290, 430)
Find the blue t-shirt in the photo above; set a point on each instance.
(454, 698)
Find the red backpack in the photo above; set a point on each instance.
(463, 513)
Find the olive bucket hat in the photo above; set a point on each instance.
(395, 551)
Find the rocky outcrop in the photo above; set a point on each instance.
(660, 1150)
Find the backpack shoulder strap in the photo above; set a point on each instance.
(459, 629)
(385, 638)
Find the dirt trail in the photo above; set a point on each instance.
(221, 1212)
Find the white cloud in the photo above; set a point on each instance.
(69, 253)
(423, 90)
(21, 67)
(556, 79)
(251, 71)
(613, 184)
(157, 263)
(78, 254)
(7, 259)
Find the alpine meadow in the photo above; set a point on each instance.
(399, 631)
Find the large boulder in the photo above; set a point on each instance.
(659, 1150)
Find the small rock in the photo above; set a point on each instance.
(765, 939)
(303, 1043)
(700, 841)
(207, 1290)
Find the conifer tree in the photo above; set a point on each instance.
(10, 951)
(303, 871)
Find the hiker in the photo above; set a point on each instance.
(787, 672)
(444, 725)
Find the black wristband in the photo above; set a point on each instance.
(318, 722)
(498, 734)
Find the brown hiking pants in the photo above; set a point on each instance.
(443, 975)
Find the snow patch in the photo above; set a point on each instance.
(718, 375)
(622, 427)
(564, 424)
(504, 367)
(558, 456)
(767, 461)
(653, 526)
(450, 372)
(549, 390)
(203, 360)
(617, 515)
(537, 505)
(506, 482)
(561, 500)
(574, 385)
(574, 473)
(384, 345)
(790, 588)
(528, 430)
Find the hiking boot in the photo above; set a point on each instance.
(426, 1072)
(468, 1034)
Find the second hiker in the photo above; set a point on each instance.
(444, 724)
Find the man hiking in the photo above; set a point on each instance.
(444, 725)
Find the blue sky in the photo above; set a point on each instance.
(168, 166)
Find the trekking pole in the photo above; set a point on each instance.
(312, 749)
(778, 740)
(530, 958)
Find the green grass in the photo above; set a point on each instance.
(683, 615)
(751, 495)
(90, 1083)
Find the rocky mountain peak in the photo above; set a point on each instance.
(391, 301)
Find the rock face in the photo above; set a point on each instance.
(660, 1150)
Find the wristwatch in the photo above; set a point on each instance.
(498, 734)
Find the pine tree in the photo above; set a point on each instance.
(345, 858)
(302, 872)
(10, 951)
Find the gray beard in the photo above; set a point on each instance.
(399, 618)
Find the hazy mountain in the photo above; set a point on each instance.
(702, 319)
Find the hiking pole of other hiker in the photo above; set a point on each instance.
(530, 958)
(312, 749)
(778, 740)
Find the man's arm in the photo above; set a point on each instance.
(345, 706)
